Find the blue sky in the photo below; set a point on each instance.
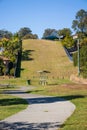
(39, 15)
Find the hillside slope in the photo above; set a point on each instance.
(45, 55)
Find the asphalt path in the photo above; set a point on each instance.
(42, 113)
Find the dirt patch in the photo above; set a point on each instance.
(75, 86)
(67, 88)
(77, 79)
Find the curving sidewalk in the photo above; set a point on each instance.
(43, 113)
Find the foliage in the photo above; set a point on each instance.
(75, 62)
(1, 67)
(80, 22)
(83, 60)
(68, 41)
(48, 32)
(80, 26)
(24, 31)
(5, 34)
(11, 47)
(64, 32)
(30, 36)
(83, 41)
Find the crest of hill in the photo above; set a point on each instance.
(45, 55)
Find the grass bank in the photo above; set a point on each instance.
(45, 55)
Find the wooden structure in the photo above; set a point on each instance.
(43, 77)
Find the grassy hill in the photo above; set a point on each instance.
(45, 55)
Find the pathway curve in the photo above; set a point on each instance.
(43, 113)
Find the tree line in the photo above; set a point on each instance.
(10, 42)
(23, 33)
(79, 26)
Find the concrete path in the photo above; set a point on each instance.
(43, 113)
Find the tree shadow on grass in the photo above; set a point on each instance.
(37, 99)
(71, 97)
(26, 55)
(29, 126)
(12, 101)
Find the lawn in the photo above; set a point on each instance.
(50, 55)
(42, 55)
(45, 55)
(15, 82)
(77, 94)
(9, 104)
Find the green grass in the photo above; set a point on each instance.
(75, 93)
(78, 121)
(10, 105)
(14, 82)
(45, 55)
(42, 55)
(50, 56)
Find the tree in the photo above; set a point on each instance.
(83, 60)
(11, 47)
(35, 36)
(48, 32)
(1, 67)
(5, 34)
(67, 40)
(83, 42)
(80, 22)
(30, 36)
(24, 31)
(64, 32)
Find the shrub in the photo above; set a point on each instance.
(83, 60)
(75, 59)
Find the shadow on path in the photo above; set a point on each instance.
(45, 100)
(28, 126)
(37, 99)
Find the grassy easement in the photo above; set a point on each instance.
(77, 94)
(10, 105)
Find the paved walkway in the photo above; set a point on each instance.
(43, 113)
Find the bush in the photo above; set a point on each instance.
(83, 60)
(1, 67)
(75, 59)
(12, 72)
